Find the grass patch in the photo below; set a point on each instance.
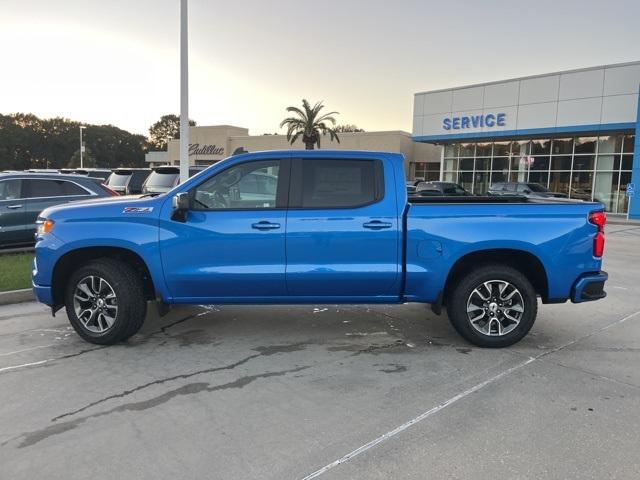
(15, 271)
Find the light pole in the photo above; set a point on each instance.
(81, 145)
(184, 92)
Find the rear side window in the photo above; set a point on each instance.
(37, 188)
(339, 183)
(10, 189)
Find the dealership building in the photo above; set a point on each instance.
(574, 132)
(208, 145)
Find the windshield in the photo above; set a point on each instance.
(118, 179)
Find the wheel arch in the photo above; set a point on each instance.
(74, 259)
(525, 262)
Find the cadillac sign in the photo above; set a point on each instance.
(197, 149)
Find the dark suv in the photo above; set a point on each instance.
(445, 189)
(525, 189)
(128, 181)
(24, 195)
(163, 179)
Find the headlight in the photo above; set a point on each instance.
(43, 226)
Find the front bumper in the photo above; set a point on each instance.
(43, 294)
(589, 287)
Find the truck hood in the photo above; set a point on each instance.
(105, 207)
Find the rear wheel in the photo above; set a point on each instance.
(105, 301)
(493, 306)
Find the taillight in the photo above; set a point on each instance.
(599, 219)
(113, 193)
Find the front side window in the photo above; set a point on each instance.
(328, 183)
(251, 185)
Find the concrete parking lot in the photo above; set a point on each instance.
(332, 392)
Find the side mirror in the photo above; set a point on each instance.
(180, 203)
(527, 191)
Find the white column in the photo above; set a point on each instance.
(184, 92)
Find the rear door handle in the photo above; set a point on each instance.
(13, 207)
(377, 225)
(264, 225)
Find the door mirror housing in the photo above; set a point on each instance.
(180, 204)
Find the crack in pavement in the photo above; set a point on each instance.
(31, 438)
(262, 352)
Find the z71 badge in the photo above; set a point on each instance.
(137, 210)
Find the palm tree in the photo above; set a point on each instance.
(310, 124)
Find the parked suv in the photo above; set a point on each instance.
(163, 179)
(24, 195)
(532, 190)
(445, 189)
(128, 181)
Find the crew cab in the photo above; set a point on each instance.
(312, 227)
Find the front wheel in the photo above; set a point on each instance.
(493, 306)
(105, 301)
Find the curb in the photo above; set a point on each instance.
(17, 296)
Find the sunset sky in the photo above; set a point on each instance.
(117, 61)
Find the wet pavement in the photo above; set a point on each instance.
(326, 391)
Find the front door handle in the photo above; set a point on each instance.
(13, 207)
(264, 225)
(377, 225)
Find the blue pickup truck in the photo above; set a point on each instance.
(317, 227)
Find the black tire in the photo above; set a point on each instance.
(129, 299)
(460, 296)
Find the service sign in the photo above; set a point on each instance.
(488, 120)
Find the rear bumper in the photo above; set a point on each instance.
(589, 287)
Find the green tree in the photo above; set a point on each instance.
(309, 124)
(167, 127)
(88, 160)
(348, 127)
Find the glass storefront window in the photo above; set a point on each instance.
(451, 150)
(539, 177)
(450, 177)
(606, 190)
(481, 184)
(467, 149)
(501, 149)
(499, 176)
(584, 162)
(466, 164)
(483, 163)
(581, 183)
(629, 141)
(450, 163)
(559, 182)
(585, 145)
(608, 162)
(520, 148)
(500, 164)
(540, 147)
(610, 144)
(466, 180)
(483, 149)
(562, 146)
(589, 167)
(560, 163)
(540, 163)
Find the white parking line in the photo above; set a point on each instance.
(453, 400)
(14, 367)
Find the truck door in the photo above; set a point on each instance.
(342, 229)
(232, 241)
(13, 228)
